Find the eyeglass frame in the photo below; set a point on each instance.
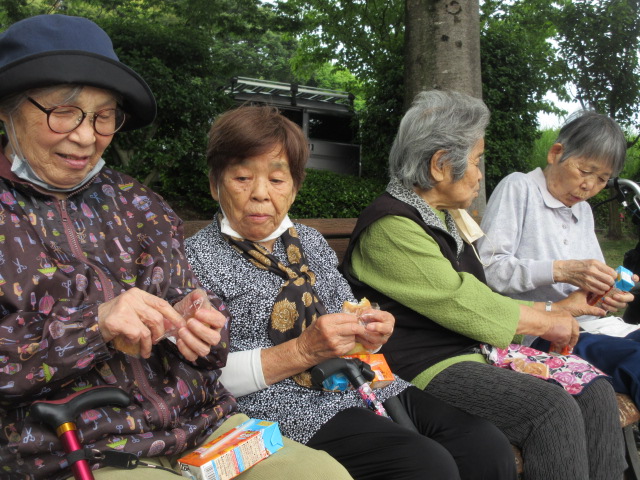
(50, 110)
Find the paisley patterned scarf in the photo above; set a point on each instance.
(297, 304)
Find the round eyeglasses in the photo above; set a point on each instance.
(66, 118)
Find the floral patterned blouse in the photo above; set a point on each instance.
(249, 293)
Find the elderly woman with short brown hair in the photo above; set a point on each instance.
(281, 284)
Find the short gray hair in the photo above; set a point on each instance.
(594, 136)
(437, 120)
(10, 104)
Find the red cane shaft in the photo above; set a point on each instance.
(59, 415)
(67, 434)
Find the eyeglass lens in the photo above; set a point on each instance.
(65, 118)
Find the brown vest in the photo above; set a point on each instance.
(417, 342)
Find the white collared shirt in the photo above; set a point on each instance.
(529, 229)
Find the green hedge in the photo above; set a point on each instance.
(331, 195)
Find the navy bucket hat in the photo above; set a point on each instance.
(48, 50)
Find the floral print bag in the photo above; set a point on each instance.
(569, 371)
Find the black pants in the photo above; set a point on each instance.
(451, 444)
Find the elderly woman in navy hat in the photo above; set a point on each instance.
(94, 283)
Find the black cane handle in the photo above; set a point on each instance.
(58, 412)
(357, 371)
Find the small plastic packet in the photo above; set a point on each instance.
(358, 309)
(365, 318)
(190, 312)
(338, 381)
(566, 350)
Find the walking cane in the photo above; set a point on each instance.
(60, 415)
(357, 372)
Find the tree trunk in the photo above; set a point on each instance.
(442, 47)
(615, 222)
(442, 51)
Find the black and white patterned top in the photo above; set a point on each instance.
(249, 293)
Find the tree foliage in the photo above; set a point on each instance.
(519, 66)
(601, 50)
(359, 35)
(187, 51)
(175, 61)
(366, 39)
(602, 53)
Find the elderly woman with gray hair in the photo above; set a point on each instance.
(528, 262)
(407, 253)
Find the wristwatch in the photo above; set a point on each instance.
(547, 306)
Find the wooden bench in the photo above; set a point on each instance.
(337, 232)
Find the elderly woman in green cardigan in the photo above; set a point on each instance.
(408, 254)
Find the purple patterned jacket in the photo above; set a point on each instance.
(58, 261)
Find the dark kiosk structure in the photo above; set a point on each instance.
(326, 117)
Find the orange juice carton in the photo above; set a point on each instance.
(233, 452)
(379, 366)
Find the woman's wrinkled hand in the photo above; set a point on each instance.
(561, 329)
(203, 325)
(589, 275)
(134, 318)
(329, 336)
(617, 301)
(576, 305)
(378, 328)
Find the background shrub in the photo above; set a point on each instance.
(331, 195)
